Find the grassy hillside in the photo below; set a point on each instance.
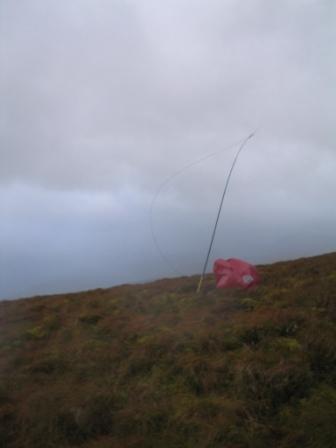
(154, 365)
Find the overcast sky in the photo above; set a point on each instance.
(102, 100)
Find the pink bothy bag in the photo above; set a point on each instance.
(233, 273)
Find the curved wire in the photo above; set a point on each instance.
(169, 179)
(220, 208)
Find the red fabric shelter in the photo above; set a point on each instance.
(234, 273)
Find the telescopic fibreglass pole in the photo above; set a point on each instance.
(219, 211)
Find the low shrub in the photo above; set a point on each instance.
(311, 423)
(90, 319)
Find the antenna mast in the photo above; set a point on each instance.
(219, 211)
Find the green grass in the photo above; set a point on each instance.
(154, 365)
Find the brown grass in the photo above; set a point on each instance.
(154, 365)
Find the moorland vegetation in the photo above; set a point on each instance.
(154, 365)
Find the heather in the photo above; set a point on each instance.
(155, 365)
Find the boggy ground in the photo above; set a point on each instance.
(154, 365)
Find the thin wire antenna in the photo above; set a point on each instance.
(220, 209)
(160, 189)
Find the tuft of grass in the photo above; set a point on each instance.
(311, 423)
(42, 331)
(90, 319)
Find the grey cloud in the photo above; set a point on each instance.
(101, 101)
